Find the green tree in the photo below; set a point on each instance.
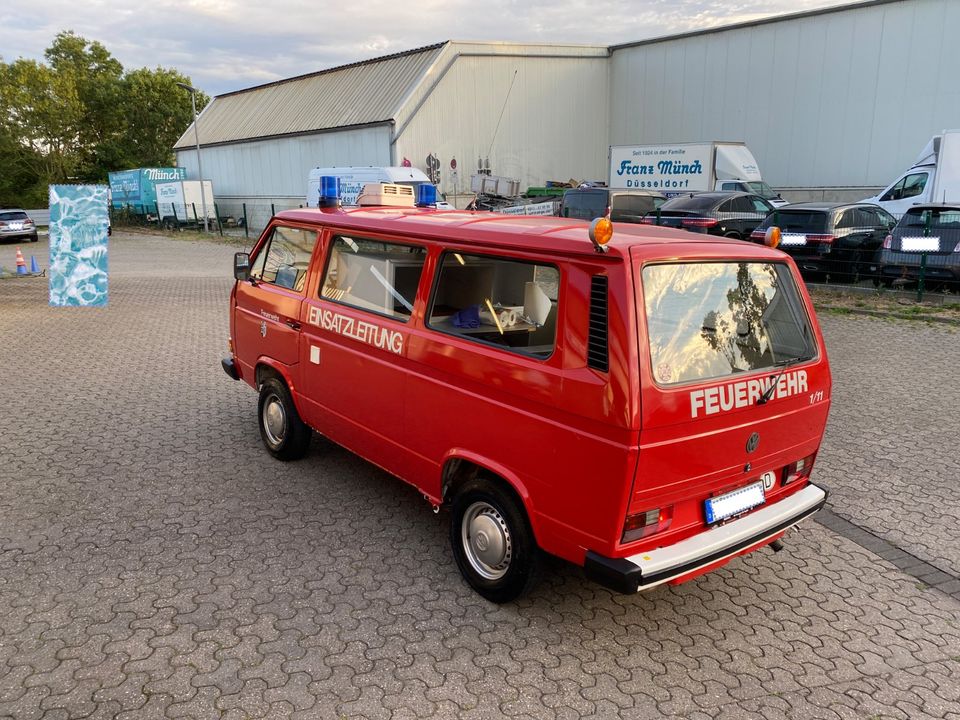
(156, 113)
(78, 116)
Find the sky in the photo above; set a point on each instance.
(225, 45)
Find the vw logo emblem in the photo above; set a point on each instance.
(753, 442)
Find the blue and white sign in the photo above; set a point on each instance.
(78, 245)
(664, 168)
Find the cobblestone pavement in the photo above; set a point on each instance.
(891, 456)
(155, 562)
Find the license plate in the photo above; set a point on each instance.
(735, 502)
(15, 226)
(920, 244)
(793, 239)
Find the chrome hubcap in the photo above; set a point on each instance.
(274, 420)
(486, 540)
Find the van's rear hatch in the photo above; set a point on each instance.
(715, 334)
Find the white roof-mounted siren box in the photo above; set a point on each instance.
(386, 195)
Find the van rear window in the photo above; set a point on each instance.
(714, 319)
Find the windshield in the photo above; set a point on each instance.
(585, 204)
(713, 319)
(762, 189)
(797, 221)
(630, 208)
(693, 202)
(939, 218)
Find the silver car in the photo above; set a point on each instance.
(15, 224)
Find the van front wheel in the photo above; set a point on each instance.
(492, 542)
(284, 434)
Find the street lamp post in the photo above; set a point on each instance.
(196, 135)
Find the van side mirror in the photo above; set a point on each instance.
(241, 265)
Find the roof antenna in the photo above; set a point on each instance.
(497, 128)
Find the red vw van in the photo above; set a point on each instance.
(647, 405)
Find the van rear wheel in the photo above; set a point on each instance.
(284, 434)
(492, 542)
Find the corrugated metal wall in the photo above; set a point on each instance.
(837, 99)
(554, 123)
(278, 168)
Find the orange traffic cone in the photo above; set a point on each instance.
(21, 263)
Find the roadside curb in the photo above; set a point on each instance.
(927, 574)
(879, 313)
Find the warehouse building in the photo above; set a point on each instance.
(833, 103)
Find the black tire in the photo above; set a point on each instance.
(284, 434)
(492, 541)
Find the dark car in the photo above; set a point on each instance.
(15, 224)
(838, 240)
(625, 205)
(728, 214)
(932, 230)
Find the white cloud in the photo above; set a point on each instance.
(226, 45)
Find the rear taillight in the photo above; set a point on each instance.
(28, 223)
(699, 222)
(647, 523)
(888, 242)
(758, 235)
(820, 239)
(3, 223)
(799, 469)
(648, 220)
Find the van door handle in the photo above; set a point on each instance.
(293, 324)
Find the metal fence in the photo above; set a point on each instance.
(922, 255)
(838, 253)
(237, 219)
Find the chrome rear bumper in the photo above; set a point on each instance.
(653, 567)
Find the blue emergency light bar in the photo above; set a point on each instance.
(329, 191)
(426, 195)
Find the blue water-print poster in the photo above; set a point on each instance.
(78, 245)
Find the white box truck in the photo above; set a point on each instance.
(180, 201)
(689, 167)
(933, 178)
(352, 180)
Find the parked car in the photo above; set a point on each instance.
(932, 230)
(728, 214)
(625, 205)
(835, 239)
(15, 224)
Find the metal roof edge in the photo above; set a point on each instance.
(369, 61)
(754, 23)
(548, 47)
(299, 133)
(193, 122)
(414, 87)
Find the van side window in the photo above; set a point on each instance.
(913, 185)
(493, 300)
(284, 258)
(910, 186)
(373, 275)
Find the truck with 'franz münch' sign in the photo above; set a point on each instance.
(689, 167)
